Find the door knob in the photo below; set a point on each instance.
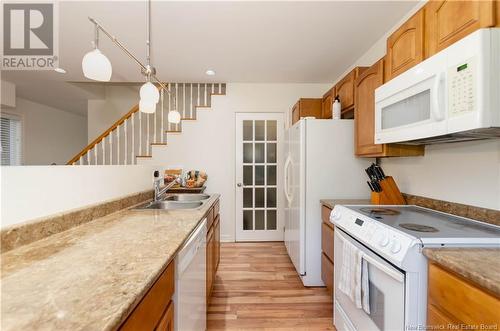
(239, 184)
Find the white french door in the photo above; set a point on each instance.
(259, 177)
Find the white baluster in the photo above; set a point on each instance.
(103, 143)
(140, 133)
(111, 148)
(132, 158)
(162, 134)
(212, 90)
(176, 104)
(154, 124)
(126, 142)
(206, 94)
(147, 134)
(198, 95)
(191, 110)
(118, 145)
(95, 154)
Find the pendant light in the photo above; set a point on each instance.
(95, 65)
(146, 106)
(174, 117)
(149, 92)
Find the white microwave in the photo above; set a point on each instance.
(452, 96)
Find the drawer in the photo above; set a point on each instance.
(327, 240)
(461, 300)
(325, 215)
(149, 311)
(327, 272)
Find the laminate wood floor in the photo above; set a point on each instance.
(257, 288)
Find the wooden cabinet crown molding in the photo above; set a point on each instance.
(448, 21)
(405, 46)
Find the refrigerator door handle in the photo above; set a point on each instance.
(286, 186)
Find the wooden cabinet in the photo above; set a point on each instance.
(364, 120)
(154, 307)
(453, 301)
(344, 89)
(327, 232)
(306, 107)
(327, 103)
(213, 247)
(167, 321)
(449, 21)
(405, 47)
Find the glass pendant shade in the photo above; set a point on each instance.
(96, 66)
(149, 93)
(174, 117)
(147, 107)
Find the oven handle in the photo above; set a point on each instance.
(387, 270)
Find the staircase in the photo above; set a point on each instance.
(132, 136)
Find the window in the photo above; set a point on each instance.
(11, 144)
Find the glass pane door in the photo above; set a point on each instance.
(257, 171)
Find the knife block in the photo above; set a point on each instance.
(390, 194)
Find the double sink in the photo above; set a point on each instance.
(177, 201)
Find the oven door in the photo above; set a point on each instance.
(386, 290)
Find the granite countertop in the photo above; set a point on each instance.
(479, 265)
(330, 203)
(92, 276)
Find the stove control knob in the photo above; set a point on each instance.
(395, 246)
(383, 239)
(337, 215)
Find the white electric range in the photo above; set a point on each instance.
(391, 239)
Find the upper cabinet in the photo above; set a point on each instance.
(405, 47)
(306, 107)
(449, 21)
(364, 118)
(344, 89)
(327, 103)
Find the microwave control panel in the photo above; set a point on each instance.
(461, 88)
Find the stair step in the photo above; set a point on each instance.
(158, 144)
(143, 156)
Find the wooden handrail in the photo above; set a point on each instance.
(134, 109)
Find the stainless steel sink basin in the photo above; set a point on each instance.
(165, 205)
(187, 197)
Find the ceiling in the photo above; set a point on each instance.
(243, 41)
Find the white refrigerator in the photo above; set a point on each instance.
(320, 164)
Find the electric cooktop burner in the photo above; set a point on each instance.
(379, 211)
(418, 227)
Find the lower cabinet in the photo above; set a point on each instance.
(156, 310)
(213, 247)
(327, 231)
(454, 302)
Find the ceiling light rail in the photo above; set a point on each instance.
(96, 66)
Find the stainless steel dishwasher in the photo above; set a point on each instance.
(190, 309)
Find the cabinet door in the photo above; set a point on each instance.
(326, 104)
(327, 272)
(364, 118)
(167, 320)
(450, 20)
(405, 47)
(345, 90)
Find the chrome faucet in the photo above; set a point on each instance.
(157, 183)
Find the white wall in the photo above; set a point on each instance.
(209, 142)
(37, 191)
(104, 113)
(467, 173)
(50, 135)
